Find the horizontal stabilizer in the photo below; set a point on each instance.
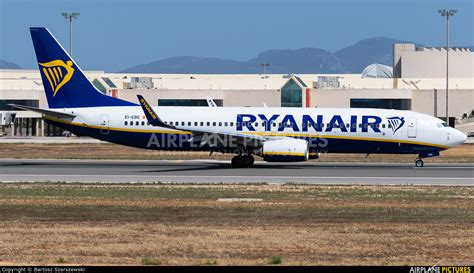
(46, 112)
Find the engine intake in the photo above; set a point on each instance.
(285, 150)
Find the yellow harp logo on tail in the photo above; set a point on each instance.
(58, 73)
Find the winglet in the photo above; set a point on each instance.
(210, 102)
(151, 116)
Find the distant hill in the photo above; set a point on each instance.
(189, 64)
(374, 50)
(305, 60)
(351, 59)
(7, 65)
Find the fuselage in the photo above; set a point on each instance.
(336, 130)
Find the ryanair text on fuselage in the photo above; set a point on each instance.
(317, 122)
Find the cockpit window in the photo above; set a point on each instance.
(442, 124)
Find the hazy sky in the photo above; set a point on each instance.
(113, 35)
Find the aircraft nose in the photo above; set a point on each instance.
(458, 137)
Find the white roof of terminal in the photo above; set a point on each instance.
(31, 80)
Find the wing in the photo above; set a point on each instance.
(204, 136)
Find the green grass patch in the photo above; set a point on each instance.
(275, 260)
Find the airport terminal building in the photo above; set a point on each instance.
(416, 81)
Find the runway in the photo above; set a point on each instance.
(207, 171)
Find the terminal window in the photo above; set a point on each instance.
(186, 102)
(291, 95)
(398, 104)
(5, 107)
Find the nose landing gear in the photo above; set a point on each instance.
(419, 160)
(419, 163)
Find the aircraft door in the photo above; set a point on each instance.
(104, 124)
(412, 128)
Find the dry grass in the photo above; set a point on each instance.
(460, 154)
(185, 224)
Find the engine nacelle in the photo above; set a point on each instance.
(285, 150)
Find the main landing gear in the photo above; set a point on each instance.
(240, 161)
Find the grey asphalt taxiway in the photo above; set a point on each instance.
(209, 171)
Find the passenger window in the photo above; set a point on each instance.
(208, 123)
(189, 123)
(126, 123)
(225, 124)
(390, 126)
(202, 123)
(195, 123)
(231, 124)
(220, 124)
(143, 123)
(214, 123)
(383, 126)
(137, 123)
(182, 123)
(171, 123)
(348, 126)
(148, 123)
(354, 125)
(360, 125)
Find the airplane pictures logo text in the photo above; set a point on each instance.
(58, 73)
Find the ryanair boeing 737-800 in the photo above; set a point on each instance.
(275, 134)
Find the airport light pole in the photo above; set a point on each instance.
(447, 14)
(70, 17)
(264, 65)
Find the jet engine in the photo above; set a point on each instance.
(285, 150)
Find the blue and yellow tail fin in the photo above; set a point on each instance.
(64, 83)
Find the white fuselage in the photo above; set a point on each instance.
(346, 130)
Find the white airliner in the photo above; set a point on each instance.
(275, 134)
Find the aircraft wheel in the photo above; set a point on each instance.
(240, 161)
(419, 163)
(237, 161)
(248, 160)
